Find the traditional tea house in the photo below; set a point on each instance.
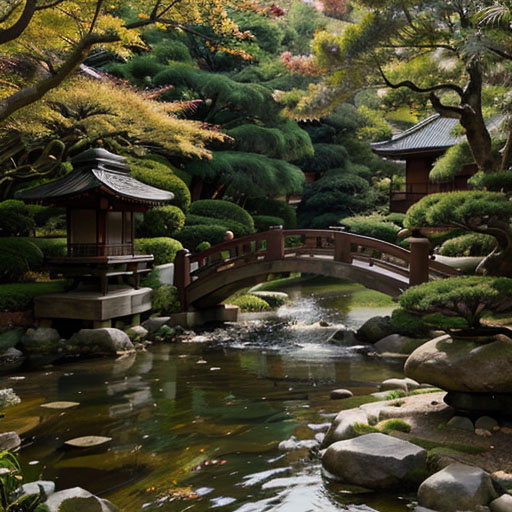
(101, 199)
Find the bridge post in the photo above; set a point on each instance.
(182, 275)
(275, 245)
(419, 264)
(342, 247)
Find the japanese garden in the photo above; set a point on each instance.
(255, 255)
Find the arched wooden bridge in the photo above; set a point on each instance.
(209, 277)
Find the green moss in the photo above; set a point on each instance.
(388, 426)
(249, 303)
(363, 428)
(464, 448)
(396, 393)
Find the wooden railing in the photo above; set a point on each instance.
(331, 245)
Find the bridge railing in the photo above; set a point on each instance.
(333, 245)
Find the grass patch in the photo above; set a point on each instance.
(427, 444)
(20, 296)
(425, 391)
(363, 428)
(396, 393)
(397, 425)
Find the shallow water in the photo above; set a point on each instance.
(196, 426)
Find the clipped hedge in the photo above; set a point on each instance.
(163, 249)
(158, 175)
(220, 209)
(161, 221)
(373, 226)
(192, 236)
(264, 222)
(471, 244)
(17, 257)
(51, 247)
(20, 296)
(273, 207)
(15, 219)
(231, 225)
(250, 303)
(165, 300)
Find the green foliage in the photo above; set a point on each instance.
(51, 247)
(395, 394)
(222, 210)
(376, 127)
(169, 50)
(192, 236)
(395, 218)
(471, 244)
(249, 174)
(395, 424)
(264, 222)
(450, 163)
(274, 299)
(203, 246)
(15, 219)
(375, 226)
(237, 228)
(17, 257)
(162, 221)
(495, 181)
(267, 34)
(408, 324)
(163, 249)
(161, 176)
(273, 207)
(139, 70)
(463, 299)
(20, 296)
(327, 156)
(361, 429)
(165, 300)
(249, 303)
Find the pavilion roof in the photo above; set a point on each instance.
(97, 169)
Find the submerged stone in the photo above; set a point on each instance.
(88, 441)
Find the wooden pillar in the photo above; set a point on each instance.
(419, 264)
(182, 275)
(275, 245)
(342, 248)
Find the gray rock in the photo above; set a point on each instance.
(343, 426)
(320, 438)
(105, 340)
(137, 332)
(11, 359)
(457, 487)
(375, 461)
(295, 444)
(8, 397)
(153, 325)
(375, 329)
(463, 365)
(502, 504)
(78, 500)
(33, 487)
(461, 423)
(9, 441)
(319, 427)
(390, 384)
(486, 423)
(397, 344)
(338, 394)
(42, 339)
(423, 509)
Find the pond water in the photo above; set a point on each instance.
(195, 427)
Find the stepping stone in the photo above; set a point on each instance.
(60, 405)
(461, 423)
(486, 423)
(88, 441)
(338, 394)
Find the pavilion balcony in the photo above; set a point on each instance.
(92, 250)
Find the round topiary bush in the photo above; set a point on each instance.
(18, 257)
(15, 219)
(231, 225)
(12, 268)
(220, 209)
(192, 236)
(163, 249)
(249, 303)
(458, 302)
(51, 247)
(158, 175)
(374, 226)
(161, 221)
(471, 244)
(264, 222)
(273, 207)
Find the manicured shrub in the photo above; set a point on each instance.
(408, 324)
(250, 303)
(220, 209)
(51, 247)
(273, 299)
(192, 236)
(395, 218)
(161, 221)
(264, 222)
(158, 175)
(18, 256)
(273, 207)
(203, 246)
(231, 225)
(15, 219)
(163, 249)
(20, 296)
(165, 300)
(471, 244)
(12, 268)
(373, 226)
(458, 302)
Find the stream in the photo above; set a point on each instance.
(195, 426)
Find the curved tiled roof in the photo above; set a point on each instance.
(97, 169)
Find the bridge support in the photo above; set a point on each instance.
(419, 264)
(182, 275)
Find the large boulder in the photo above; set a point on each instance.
(105, 340)
(343, 426)
(375, 329)
(78, 500)
(397, 344)
(41, 340)
(463, 365)
(457, 487)
(375, 461)
(502, 504)
(153, 325)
